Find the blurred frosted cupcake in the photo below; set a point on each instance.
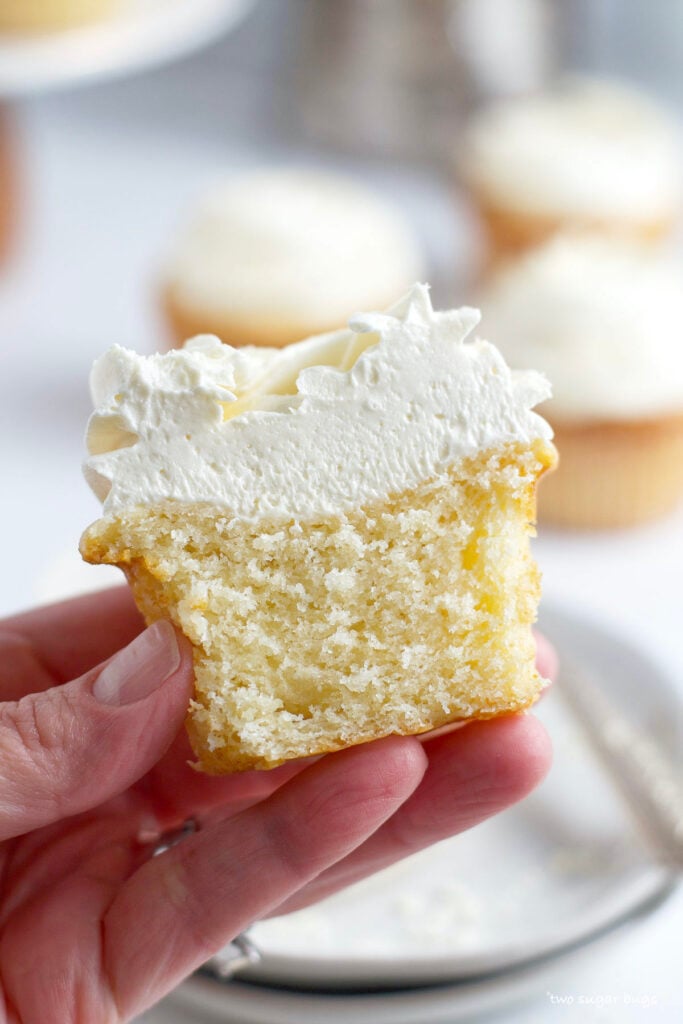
(274, 256)
(604, 322)
(587, 154)
(45, 15)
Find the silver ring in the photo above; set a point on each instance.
(234, 958)
(170, 839)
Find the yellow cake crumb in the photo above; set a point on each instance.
(394, 618)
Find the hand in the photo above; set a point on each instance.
(93, 768)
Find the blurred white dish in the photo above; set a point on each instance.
(137, 34)
(202, 1002)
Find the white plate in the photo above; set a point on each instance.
(137, 34)
(205, 1002)
(548, 875)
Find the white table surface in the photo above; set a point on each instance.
(101, 195)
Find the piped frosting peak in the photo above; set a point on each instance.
(316, 428)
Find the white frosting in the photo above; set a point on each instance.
(586, 149)
(602, 319)
(316, 428)
(303, 246)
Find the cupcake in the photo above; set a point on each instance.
(274, 256)
(602, 320)
(341, 527)
(47, 15)
(586, 155)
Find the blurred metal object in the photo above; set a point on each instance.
(377, 76)
(241, 953)
(650, 784)
(170, 839)
(398, 77)
(507, 46)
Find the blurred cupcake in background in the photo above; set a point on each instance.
(604, 321)
(274, 256)
(46, 15)
(588, 154)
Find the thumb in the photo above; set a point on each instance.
(72, 747)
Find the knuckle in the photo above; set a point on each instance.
(34, 735)
(43, 725)
(27, 720)
(193, 907)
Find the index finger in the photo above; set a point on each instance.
(70, 637)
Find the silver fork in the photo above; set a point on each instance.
(649, 782)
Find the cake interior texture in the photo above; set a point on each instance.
(393, 618)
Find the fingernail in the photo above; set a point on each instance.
(140, 668)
